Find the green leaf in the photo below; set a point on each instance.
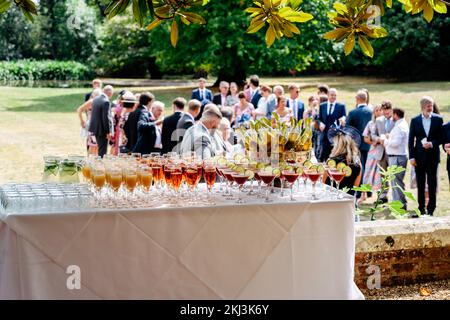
(428, 12)
(255, 26)
(378, 32)
(440, 6)
(174, 33)
(363, 188)
(184, 20)
(4, 5)
(294, 16)
(340, 7)
(365, 45)
(389, 3)
(336, 34)
(253, 9)
(193, 17)
(295, 4)
(154, 24)
(349, 44)
(270, 35)
(291, 27)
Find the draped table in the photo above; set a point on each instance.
(281, 250)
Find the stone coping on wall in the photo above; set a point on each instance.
(402, 234)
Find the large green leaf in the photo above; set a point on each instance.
(349, 44)
(4, 5)
(174, 33)
(365, 45)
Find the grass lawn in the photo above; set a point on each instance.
(39, 121)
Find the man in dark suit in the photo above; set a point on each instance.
(202, 93)
(359, 118)
(330, 112)
(425, 136)
(220, 99)
(169, 135)
(101, 123)
(294, 102)
(253, 93)
(149, 133)
(187, 120)
(96, 84)
(131, 125)
(446, 145)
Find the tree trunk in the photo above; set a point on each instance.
(235, 71)
(237, 75)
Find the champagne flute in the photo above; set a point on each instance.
(99, 179)
(130, 180)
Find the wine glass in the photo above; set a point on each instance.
(240, 179)
(291, 176)
(210, 176)
(314, 173)
(267, 177)
(228, 174)
(176, 178)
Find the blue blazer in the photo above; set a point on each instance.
(256, 98)
(417, 133)
(146, 139)
(196, 95)
(338, 112)
(300, 110)
(359, 118)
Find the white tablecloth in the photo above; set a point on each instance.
(282, 250)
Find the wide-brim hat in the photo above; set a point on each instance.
(129, 97)
(347, 130)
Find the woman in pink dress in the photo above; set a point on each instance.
(242, 107)
(117, 116)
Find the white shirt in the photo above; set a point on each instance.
(294, 107)
(426, 122)
(158, 143)
(397, 143)
(330, 107)
(223, 99)
(262, 107)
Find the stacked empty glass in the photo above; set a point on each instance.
(44, 197)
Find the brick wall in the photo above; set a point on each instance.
(399, 267)
(403, 251)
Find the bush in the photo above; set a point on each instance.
(43, 70)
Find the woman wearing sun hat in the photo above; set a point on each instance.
(346, 141)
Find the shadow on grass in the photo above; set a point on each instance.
(412, 87)
(68, 103)
(64, 103)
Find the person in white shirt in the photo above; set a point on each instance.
(220, 99)
(272, 103)
(266, 96)
(396, 146)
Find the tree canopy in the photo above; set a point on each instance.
(354, 21)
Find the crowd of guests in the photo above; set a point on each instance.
(367, 138)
